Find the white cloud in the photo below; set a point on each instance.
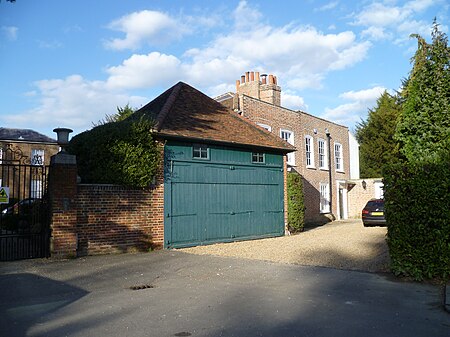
(363, 95)
(291, 52)
(329, 6)
(300, 55)
(141, 71)
(245, 16)
(72, 101)
(376, 33)
(388, 21)
(292, 101)
(145, 27)
(10, 32)
(352, 112)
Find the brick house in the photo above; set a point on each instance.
(320, 145)
(29, 147)
(24, 147)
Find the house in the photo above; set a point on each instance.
(24, 154)
(26, 146)
(327, 154)
(224, 177)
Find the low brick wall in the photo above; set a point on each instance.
(101, 219)
(113, 219)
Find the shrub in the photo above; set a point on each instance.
(417, 212)
(117, 153)
(296, 205)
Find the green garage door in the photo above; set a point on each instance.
(223, 198)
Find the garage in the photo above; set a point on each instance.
(223, 175)
(230, 194)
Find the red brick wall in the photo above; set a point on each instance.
(62, 191)
(113, 218)
(359, 196)
(101, 219)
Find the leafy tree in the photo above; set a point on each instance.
(424, 127)
(417, 186)
(122, 114)
(375, 135)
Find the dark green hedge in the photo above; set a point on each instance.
(296, 204)
(417, 198)
(117, 153)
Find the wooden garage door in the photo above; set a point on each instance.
(211, 201)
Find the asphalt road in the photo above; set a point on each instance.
(171, 293)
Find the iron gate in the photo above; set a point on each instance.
(24, 221)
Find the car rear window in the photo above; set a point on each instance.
(375, 204)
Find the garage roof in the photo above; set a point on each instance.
(185, 112)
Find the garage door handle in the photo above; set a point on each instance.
(232, 213)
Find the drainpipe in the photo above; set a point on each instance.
(327, 132)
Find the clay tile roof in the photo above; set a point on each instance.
(184, 112)
(24, 135)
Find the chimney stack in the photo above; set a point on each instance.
(258, 86)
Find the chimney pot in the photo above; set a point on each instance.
(275, 80)
(257, 76)
(264, 78)
(242, 79)
(247, 76)
(252, 76)
(238, 83)
(271, 79)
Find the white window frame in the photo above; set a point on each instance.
(338, 158)
(324, 191)
(200, 148)
(265, 126)
(37, 157)
(259, 156)
(322, 154)
(288, 136)
(36, 189)
(309, 152)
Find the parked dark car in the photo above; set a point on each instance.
(373, 213)
(26, 215)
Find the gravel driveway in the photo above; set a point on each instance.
(340, 244)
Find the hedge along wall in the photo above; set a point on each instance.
(112, 219)
(417, 211)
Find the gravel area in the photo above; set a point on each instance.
(339, 244)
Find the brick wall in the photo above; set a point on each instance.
(101, 219)
(358, 195)
(113, 218)
(62, 190)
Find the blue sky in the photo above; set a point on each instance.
(68, 63)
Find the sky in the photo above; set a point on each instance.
(69, 63)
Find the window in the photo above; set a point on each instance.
(200, 151)
(324, 198)
(265, 126)
(36, 189)
(289, 137)
(257, 157)
(309, 151)
(322, 154)
(338, 156)
(37, 157)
